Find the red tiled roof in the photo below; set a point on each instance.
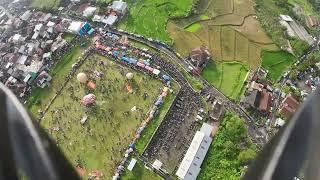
(289, 106)
(265, 101)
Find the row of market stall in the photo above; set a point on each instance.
(142, 64)
(150, 116)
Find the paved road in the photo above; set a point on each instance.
(257, 136)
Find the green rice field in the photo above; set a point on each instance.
(276, 62)
(149, 17)
(228, 77)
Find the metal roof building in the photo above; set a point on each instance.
(190, 165)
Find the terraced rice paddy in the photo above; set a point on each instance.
(232, 32)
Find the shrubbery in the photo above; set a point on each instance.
(230, 151)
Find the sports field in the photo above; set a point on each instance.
(98, 144)
(228, 77)
(277, 63)
(149, 17)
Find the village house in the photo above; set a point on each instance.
(120, 7)
(258, 97)
(43, 80)
(117, 10)
(199, 58)
(26, 15)
(288, 106)
(312, 21)
(89, 11)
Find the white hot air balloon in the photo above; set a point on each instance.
(129, 75)
(82, 78)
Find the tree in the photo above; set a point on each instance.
(282, 3)
(246, 155)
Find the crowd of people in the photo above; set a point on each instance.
(175, 133)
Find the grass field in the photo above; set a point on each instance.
(149, 17)
(58, 74)
(228, 77)
(230, 150)
(45, 4)
(193, 27)
(277, 63)
(98, 144)
(140, 172)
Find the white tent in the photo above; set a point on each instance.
(132, 164)
(89, 11)
(75, 27)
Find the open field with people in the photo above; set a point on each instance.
(149, 17)
(276, 63)
(110, 124)
(230, 151)
(45, 4)
(41, 97)
(228, 77)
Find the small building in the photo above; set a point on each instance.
(80, 28)
(261, 73)
(17, 38)
(199, 57)
(279, 122)
(191, 163)
(46, 56)
(132, 164)
(265, 101)
(89, 11)
(259, 99)
(255, 86)
(75, 27)
(45, 17)
(288, 106)
(43, 79)
(26, 15)
(253, 98)
(97, 18)
(110, 20)
(157, 164)
(216, 110)
(312, 21)
(22, 59)
(120, 7)
(286, 18)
